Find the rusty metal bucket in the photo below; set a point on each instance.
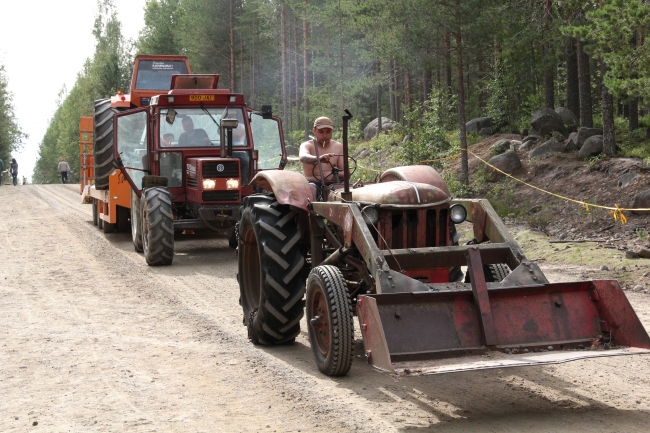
(418, 332)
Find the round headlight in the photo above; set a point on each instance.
(370, 214)
(457, 213)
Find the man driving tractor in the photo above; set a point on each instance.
(329, 152)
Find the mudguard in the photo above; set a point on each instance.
(415, 173)
(289, 187)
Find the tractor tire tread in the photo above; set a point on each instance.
(282, 280)
(158, 227)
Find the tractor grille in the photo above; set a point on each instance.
(413, 228)
(230, 169)
(220, 196)
(192, 182)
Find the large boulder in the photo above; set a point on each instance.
(499, 147)
(370, 131)
(591, 147)
(546, 149)
(475, 125)
(546, 121)
(292, 150)
(641, 201)
(507, 162)
(585, 133)
(568, 118)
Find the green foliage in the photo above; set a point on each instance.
(456, 187)
(426, 129)
(11, 136)
(160, 34)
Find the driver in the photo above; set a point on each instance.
(330, 152)
(191, 136)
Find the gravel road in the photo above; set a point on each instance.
(92, 339)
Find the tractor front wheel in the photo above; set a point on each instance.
(271, 275)
(330, 321)
(157, 226)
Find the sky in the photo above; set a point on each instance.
(43, 46)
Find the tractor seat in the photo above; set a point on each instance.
(397, 192)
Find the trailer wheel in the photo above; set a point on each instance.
(330, 321)
(496, 273)
(493, 273)
(95, 213)
(157, 226)
(103, 145)
(108, 227)
(136, 222)
(271, 275)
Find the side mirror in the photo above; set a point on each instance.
(171, 116)
(267, 112)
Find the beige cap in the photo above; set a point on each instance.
(323, 122)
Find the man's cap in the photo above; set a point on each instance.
(61, 159)
(323, 122)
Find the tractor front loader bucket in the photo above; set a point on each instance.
(419, 332)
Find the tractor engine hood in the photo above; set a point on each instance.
(396, 193)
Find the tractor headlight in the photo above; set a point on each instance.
(370, 214)
(457, 213)
(209, 184)
(232, 184)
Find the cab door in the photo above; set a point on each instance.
(131, 150)
(268, 141)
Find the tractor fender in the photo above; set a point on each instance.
(289, 187)
(415, 173)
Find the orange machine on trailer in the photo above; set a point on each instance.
(176, 153)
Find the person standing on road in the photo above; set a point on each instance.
(64, 168)
(2, 168)
(13, 170)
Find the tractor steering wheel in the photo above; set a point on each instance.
(334, 170)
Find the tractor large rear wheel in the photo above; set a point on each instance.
(157, 226)
(103, 142)
(330, 321)
(136, 222)
(271, 270)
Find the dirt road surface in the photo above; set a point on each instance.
(92, 339)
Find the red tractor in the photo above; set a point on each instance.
(177, 154)
(388, 253)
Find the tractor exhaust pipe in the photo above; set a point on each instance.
(347, 195)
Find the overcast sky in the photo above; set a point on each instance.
(43, 45)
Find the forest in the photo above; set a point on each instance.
(429, 65)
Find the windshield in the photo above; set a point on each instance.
(194, 127)
(157, 74)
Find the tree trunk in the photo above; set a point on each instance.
(233, 77)
(408, 97)
(391, 90)
(341, 79)
(572, 80)
(461, 110)
(584, 84)
(283, 42)
(448, 82)
(549, 68)
(296, 55)
(634, 114)
(305, 74)
(609, 140)
(379, 126)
